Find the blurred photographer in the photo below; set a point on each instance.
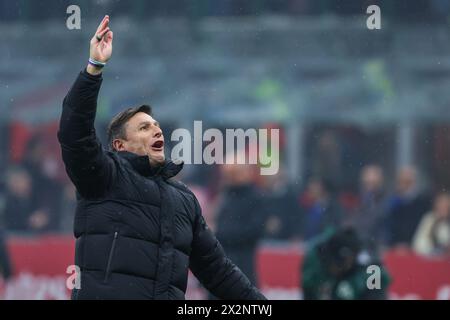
(336, 268)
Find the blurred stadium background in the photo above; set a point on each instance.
(364, 119)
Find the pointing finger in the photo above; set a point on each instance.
(103, 24)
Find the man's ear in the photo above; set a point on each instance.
(118, 145)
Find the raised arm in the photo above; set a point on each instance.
(85, 160)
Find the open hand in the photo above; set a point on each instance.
(101, 42)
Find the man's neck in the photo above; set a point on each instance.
(154, 163)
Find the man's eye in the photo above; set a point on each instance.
(143, 128)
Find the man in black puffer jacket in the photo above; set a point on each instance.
(137, 230)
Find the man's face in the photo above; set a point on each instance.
(339, 269)
(372, 179)
(316, 190)
(442, 206)
(143, 137)
(19, 183)
(406, 180)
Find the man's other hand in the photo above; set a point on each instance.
(101, 45)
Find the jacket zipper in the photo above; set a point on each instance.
(111, 253)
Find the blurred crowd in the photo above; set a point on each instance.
(34, 199)
(250, 206)
(245, 208)
(269, 208)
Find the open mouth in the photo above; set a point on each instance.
(158, 145)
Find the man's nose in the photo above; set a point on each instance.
(157, 133)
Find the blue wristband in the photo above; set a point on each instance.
(96, 63)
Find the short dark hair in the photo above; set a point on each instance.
(116, 128)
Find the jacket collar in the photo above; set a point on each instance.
(141, 164)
